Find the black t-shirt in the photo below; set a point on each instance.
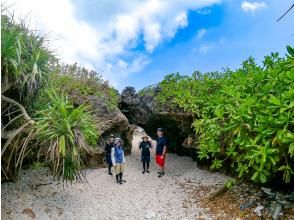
(108, 147)
(161, 142)
(145, 146)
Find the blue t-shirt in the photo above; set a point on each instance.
(161, 142)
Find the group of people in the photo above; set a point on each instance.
(115, 156)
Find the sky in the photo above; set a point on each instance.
(137, 42)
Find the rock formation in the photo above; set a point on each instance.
(110, 120)
(147, 113)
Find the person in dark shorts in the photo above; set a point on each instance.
(108, 146)
(161, 150)
(145, 147)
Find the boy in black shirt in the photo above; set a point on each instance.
(145, 146)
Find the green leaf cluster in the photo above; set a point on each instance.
(25, 58)
(74, 80)
(244, 118)
(67, 132)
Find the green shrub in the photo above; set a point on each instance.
(29, 69)
(25, 67)
(25, 59)
(72, 79)
(66, 133)
(244, 118)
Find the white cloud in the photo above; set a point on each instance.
(201, 33)
(107, 42)
(206, 47)
(253, 6)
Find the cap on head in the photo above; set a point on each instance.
(117, 140)
(145, 136)
(160, 129)
(111, 136)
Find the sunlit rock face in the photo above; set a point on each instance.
(110, 120)
(147, 113)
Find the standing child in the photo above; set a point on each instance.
(108, 146)
(118, 160)
(145, 146)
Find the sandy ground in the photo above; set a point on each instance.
(143, 196)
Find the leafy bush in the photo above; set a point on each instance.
(244, 118)
(66, 133)
(149, 90)
(25, 58)
(25, 66)
(72, 79)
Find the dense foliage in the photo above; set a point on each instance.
(79, 81)
(25, 59)
(244, 118)
(38, 120)
(65, 132)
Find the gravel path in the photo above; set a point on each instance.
(143, 196)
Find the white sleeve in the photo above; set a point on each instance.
(112, 156)
(124, 159)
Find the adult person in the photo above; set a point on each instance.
(145, 147)
(161, 150)
(108, 146)
(118, 160)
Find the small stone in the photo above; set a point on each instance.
(150, 215)
(29, 212)
(258, 209)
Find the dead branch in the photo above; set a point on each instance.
(9, 134)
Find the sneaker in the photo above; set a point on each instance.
(143, 171)
(147, 171)
(110, 174)
(159, 172)
(161, 175)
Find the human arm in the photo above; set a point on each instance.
(124, 159)
(164, 148)
(151, 145)
(164, 151)
(112, 157)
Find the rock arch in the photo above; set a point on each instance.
(146, 113)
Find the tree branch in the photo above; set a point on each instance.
(22, 109)
(8, 134)
(5, 87)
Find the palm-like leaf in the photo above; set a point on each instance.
(67, 133)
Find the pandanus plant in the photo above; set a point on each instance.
(53, 125)
(66, 132)
(25, 62)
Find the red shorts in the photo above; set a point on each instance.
(160, 161)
